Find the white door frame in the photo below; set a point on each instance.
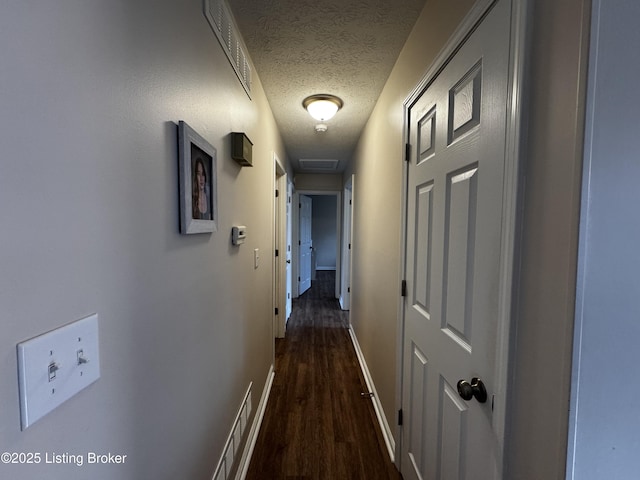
(606, 311)
(288, 254)
(296, 235)
(509, 237)
(347, 217)
(280, 222)
(305, 243)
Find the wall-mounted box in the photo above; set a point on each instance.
(238, 234)
(241, 149)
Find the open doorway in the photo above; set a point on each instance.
(282, 244)
(325, 229)
(345, 283)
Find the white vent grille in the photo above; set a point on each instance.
(318, 164)
(223, 25)
(235, 439)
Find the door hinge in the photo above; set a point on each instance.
(276, 310)
(298, 278)
(400, 417)
(403, 288)
(277, 252)
(299, 205)
(407, 152)
(277, 193)
(349, 246)
(348, 289)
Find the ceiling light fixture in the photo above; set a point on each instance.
(322, 107)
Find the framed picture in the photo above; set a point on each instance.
(198, 182)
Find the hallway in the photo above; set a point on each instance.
(317, 425)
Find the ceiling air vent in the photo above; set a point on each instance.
(219, 16)
(318, 164)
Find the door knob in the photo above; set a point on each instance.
(474, 389)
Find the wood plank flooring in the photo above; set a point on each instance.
(317, 426)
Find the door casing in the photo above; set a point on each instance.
(347, 247)
(281, 274)
(296, 236)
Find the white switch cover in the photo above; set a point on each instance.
(256, 258)
(55, 366)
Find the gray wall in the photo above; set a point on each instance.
(604, 439)
(323, 230)
(541, 367)
(318, 181)
(90, 95)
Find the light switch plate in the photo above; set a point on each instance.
(55, 366)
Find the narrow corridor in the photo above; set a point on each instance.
(317, 425)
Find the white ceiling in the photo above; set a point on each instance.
(342, 47)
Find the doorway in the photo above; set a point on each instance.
(298, 273)
(282, 244)
(345, 284)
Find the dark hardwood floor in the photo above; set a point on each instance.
(317, 426)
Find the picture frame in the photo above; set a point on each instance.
(198, 182)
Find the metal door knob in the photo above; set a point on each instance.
(474, 389)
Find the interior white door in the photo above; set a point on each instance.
(345, 294)
(457, 132)
(288, 251)
(305, 244)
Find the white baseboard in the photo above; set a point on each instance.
(255, 428)
(377, 406)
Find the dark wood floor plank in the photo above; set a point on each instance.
(317, 426)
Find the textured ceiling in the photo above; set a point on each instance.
(342, 47)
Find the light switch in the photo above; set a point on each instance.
(55, 366)
(256, 258)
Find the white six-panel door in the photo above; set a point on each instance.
(288, 252)
(457, 131)
(305, 244)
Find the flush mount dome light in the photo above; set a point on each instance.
(322, 107)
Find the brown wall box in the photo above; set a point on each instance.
(241, 148)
